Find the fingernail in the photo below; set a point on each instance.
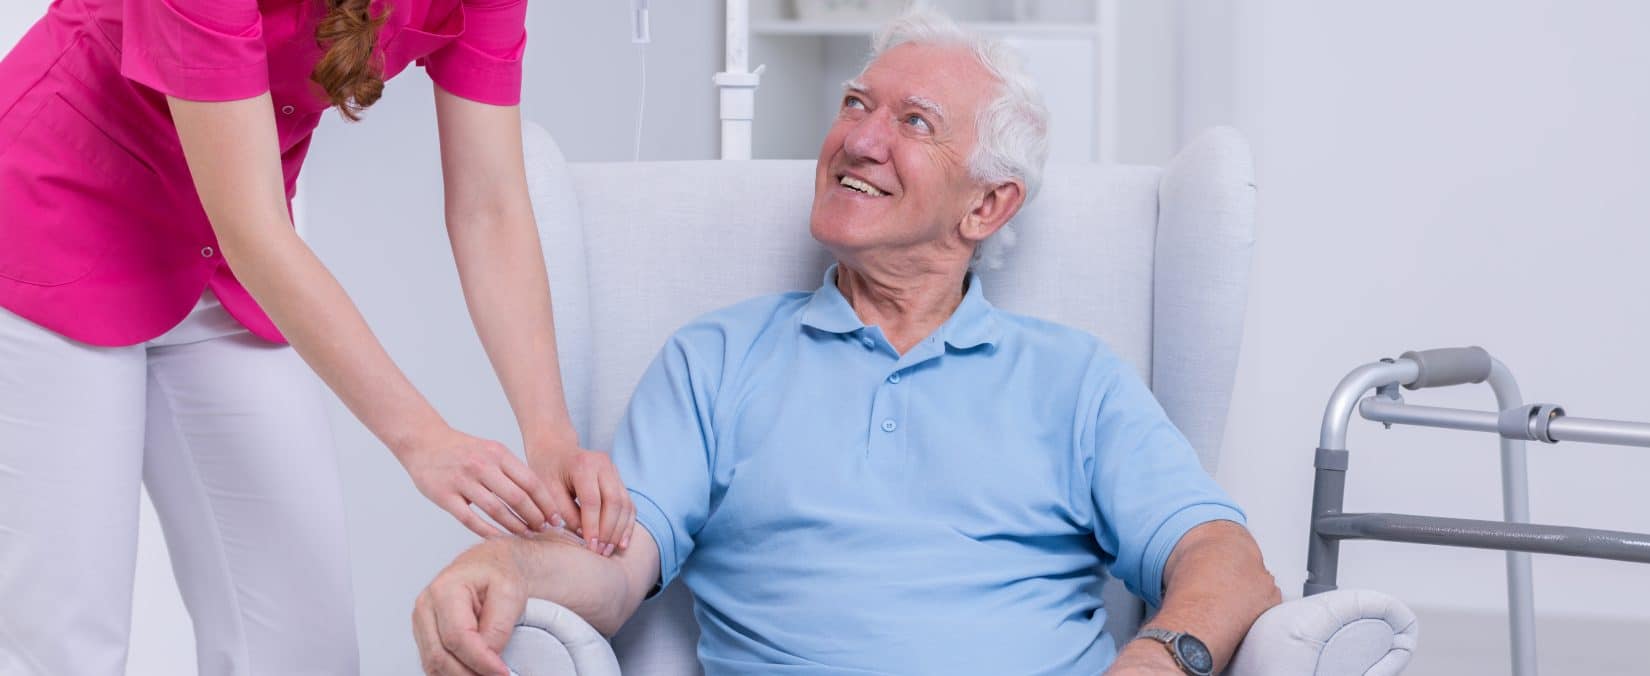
(625, 542)
(557, 521)
(609, 551)
(595, 545)
(544, 527)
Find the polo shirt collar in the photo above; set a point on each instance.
(973, 323)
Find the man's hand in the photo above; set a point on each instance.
(605, 516)
(1144, 658)
(465, 617)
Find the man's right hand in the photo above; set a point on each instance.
(465, 617)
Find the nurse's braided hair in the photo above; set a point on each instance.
(349, 71)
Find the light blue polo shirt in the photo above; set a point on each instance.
(837, 508)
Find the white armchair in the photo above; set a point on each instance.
(1154, 261)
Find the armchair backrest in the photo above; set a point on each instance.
(1153, 261)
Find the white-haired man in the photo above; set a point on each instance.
(888, 475)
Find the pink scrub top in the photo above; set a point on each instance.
(102, 236)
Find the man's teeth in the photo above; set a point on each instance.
(861, 186)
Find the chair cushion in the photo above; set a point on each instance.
(1084, 256)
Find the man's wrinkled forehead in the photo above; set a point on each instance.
(937, 78)
(858, 86)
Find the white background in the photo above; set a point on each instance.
(1430, 174)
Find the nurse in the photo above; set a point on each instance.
(158, 311)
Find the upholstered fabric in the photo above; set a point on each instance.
(1345, 631)
(556, 209)
(1340, 633)
(1153, 261)
(552, 641)
(1205, 230)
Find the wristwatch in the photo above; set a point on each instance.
(1188, 652)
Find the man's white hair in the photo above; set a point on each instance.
(1012, 137)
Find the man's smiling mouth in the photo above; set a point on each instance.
(861, 186)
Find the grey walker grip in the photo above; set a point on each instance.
(1448, 366)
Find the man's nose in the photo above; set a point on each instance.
(870, 138)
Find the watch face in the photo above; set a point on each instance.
(1194, 654)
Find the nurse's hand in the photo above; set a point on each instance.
(455, 470)
(605, 515)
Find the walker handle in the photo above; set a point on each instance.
(1447, 366)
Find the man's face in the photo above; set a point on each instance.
(893, 171)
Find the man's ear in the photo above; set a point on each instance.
(993, 209)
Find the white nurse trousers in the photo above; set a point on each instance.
(229, 434)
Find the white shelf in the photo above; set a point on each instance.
(825, 28)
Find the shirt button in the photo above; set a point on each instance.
(893, 378)
(868, 342)
(889, 425)
(287, 110)
(206, 252)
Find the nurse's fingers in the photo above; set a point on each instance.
(538, 489)
(459, 506)
(590, 509)
(512, 495)
(491, 504)
(614, 504)
(629, 526)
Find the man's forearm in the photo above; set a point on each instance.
(604, 591)
(1215, 586)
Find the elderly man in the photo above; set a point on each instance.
(889, 475)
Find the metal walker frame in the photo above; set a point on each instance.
(1515, 422)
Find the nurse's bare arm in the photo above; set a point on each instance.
(234, 159)
(466, 615)
(496, 246)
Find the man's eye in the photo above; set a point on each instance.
(853, 102)
(916, 120)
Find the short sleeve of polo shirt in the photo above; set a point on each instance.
(1146, 482)
(484, 63)
(665, 444)
(196, 50)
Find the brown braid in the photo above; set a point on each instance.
(350, 72)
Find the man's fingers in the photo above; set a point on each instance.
(432, 655)
(590, 509)
(490, 503)
(500, 611)
(460, 509)
(515, 497)
(538, 489)
(456, 622)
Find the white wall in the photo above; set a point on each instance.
(1437, 174)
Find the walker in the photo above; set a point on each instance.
(1515, 423)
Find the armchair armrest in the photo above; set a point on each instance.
(1340, 632)
(551, 641)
